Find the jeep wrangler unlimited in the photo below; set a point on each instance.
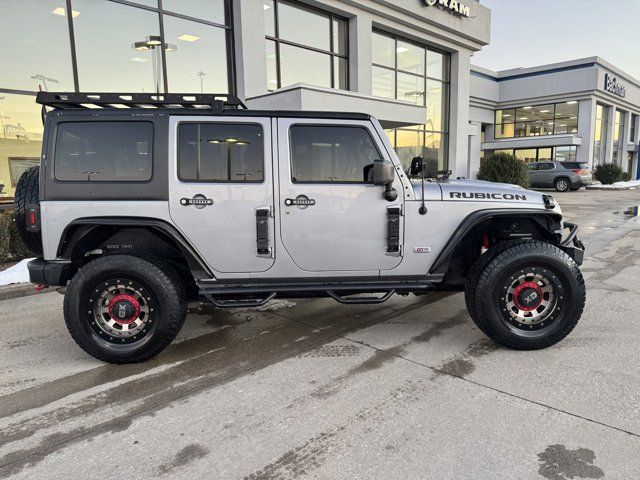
(145, 202)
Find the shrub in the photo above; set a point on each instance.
(626, 177)
(608, 173)
(504, 168)
(11, 246)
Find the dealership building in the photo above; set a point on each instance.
(408, 62)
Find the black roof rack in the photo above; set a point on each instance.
(212, 101)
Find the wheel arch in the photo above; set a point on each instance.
(495, 226)
(143, 236)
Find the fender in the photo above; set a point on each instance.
(441, 265)
(198, 267)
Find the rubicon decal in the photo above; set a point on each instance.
(487, 196)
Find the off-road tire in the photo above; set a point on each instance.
(473, 276)
(166, 295)
(562, 184)
(489, 280)
(27, 194)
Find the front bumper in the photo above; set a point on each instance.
(43, 272)
(571, 245)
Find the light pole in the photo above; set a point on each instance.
(201, 74)
(151, 43)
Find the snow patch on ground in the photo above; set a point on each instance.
(633, 184)
(16, 274)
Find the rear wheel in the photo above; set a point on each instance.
(528, 296)
(562, 184)
(124, 309)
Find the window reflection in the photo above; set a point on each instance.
(35, 45)
(209, 10)
(20, 138)
(299, 65)
(303, 26)
(384, 82)
(198, 63)
(117, 59)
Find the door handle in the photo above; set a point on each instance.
(198, 201)
(301, 201)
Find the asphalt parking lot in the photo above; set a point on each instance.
(311, 389)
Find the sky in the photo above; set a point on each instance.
(527, 33)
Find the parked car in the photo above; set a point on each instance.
(137, 211)
(563, 176)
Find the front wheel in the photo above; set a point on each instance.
(124, 309)
(529, 296)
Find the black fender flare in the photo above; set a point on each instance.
(441, 264)
(197, 265)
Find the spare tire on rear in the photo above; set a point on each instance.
(27, 195)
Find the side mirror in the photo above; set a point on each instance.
(383, 172)
(417, 164)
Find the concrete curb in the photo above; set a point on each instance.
(18, 290)
(609, 189)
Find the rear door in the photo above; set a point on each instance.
(333, 218)
(221, 190)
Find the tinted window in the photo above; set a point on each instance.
(533, 166)
(545, 166)
(212, 152)
(575, 165)
(104, 151)
(332, 154)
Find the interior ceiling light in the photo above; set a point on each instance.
(266, 7)
(60, 11)
(572, 102)
(545, 111)
(527, 108)
(185, 37)
(139, 59)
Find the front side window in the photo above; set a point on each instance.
(304, 45)
(332, 154)
(215, 152)
(104, 151)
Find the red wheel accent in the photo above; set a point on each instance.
(125, 303)
(524, 290)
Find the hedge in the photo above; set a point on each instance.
(11, 246)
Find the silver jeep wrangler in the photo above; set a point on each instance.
(143, 203)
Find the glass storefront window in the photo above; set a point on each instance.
(410, 88)
(299, 65)
(566, 154)
(527, 155)
(208, 10)
(36, 47)
(310, 45)
(600, 138)
(537, 120)
(413, 73)
(20, 138)
(122, 59)
(384, 82)
(410, 58)
(632, 129)
(196, 56)
(384, 50)
(542, 154)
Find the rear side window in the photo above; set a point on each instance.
(216, 152)
(332, 154)
(104, 151)
(545, 166)
(575, 165)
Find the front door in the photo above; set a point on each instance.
(332, 217)
(221, 189)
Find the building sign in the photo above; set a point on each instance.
(453, 6)
(611, 85)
